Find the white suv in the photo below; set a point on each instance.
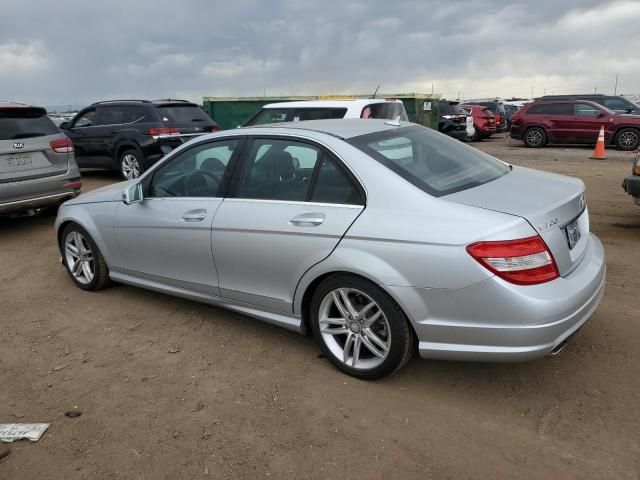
(325, 109)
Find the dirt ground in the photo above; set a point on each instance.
(173, 389)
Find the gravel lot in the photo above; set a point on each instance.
(174, 389)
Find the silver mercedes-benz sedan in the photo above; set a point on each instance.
(376, 236)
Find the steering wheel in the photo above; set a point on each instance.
(201, 183)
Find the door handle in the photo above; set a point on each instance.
(194, 215)
(308, 220)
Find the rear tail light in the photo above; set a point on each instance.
(74, 185)
(64, 145)
(215, 128)
(163, 131)
(527, 261)
(498, 117)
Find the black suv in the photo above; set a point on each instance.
(131, 135)
(613, 102)
(453, 119)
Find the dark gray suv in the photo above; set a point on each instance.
(37, 164)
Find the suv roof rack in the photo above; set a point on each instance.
(172, 100)
(123, 100)
(574, 95)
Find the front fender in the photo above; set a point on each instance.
(98, 224)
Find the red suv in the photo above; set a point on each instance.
(484, 121)
(573, 121)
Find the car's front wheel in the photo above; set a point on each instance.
(628, 139)
(131, 165)
(535, 137)
(82, 258)
(360, 328)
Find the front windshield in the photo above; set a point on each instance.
(433, 162)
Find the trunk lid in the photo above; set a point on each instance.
(25, 150)
(553, 204)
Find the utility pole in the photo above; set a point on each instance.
(615, 89)
(531, 93)
(432, 89)
(595, 89)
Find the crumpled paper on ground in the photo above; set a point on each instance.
(10, 432)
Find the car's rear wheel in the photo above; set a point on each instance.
(360, 328)
(82, 258)
(628, 139)
(131, 165)
(535, 137)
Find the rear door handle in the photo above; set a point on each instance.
(194, 215)
(308, 220)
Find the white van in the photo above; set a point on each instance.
(389, 108)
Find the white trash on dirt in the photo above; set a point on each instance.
(10, 432)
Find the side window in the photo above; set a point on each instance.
(132, 114)
(269, 115)
(318, 113)
(616, 104)
(278, 170)
(87, 119)
(197, 172)
(111, 115)
(537, 109)
(584, 110)
(559, 109)
(332, 185)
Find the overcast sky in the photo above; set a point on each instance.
(75, 52)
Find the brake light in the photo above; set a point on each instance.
(215, 128)
(163, 131)
(497, 117)
(64, 145)
(74, 185)
(526, 261)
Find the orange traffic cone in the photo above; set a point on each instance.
(599, 153)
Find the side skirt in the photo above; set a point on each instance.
(290, 322)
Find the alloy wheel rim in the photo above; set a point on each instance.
(79, 258)
(534, 137)
(130, 167)
(628, 139)
(354, 328)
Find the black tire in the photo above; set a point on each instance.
(402, 341)
(628, 139)
(535, 137)
(130, 164)
(100, 278)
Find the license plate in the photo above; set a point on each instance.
(573, 233)
(19, 160)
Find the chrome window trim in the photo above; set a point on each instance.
(293, 202)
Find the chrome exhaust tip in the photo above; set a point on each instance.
(558, 348)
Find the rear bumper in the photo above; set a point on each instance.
(38, 193)
(457, 134)
(631, 185)
(496, 321)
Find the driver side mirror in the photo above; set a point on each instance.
(133, 194)
(65, 125)
(628, 109)
(599, 114)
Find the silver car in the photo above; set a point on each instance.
(37, 165)
(376, 236)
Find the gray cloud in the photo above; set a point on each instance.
(78, 52)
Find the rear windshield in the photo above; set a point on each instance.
(25, 123)
(386, 110)
(452, 108)
(182, 114)
(432, 162)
